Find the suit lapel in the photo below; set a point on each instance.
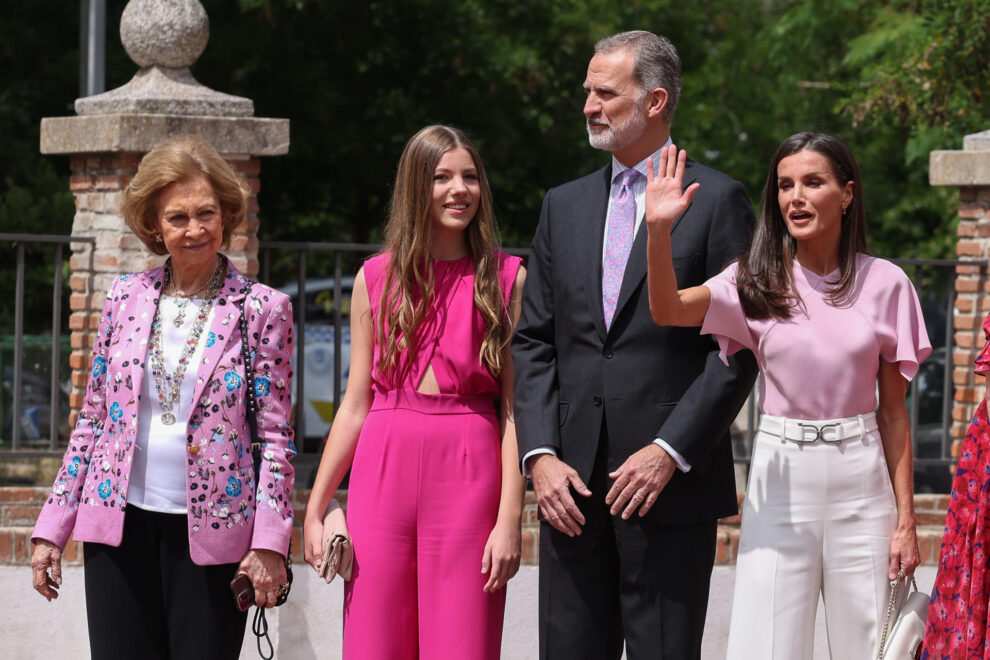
(223, 329)
(636, 265)
(597, 207)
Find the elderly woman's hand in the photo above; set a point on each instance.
(266, 570)
(44, 556)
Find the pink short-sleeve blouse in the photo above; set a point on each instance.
(822, 363)
(451, 333)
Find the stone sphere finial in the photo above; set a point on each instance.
(164, 33)
(164, 38)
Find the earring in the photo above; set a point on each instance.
(844, 209)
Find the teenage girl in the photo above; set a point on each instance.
(435, 498)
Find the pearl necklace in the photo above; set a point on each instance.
(168, 385)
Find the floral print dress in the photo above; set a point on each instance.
(957, 617)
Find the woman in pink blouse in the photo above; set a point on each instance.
(435, 498)
(829, 507)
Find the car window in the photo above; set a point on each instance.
(320, 302)
(320, 305)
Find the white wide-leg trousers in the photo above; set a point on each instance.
(818, 519)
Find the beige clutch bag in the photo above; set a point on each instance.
(338, 553)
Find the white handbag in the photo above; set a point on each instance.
(903, 627)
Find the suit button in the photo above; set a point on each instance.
(597, 400)
(608, 355)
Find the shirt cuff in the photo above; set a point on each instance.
(545, 449)
(682, 465)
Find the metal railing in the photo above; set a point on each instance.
(935, 279)
(19, 243)
(302, 250)
(914, 269)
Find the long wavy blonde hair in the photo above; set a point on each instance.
(409, 281)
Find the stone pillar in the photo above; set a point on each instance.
(111, 131)
(969, 170)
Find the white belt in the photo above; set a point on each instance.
(803, 431)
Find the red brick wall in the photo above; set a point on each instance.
(972, 305)
(19, 508)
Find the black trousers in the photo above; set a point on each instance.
(634, 580)
(147, 600)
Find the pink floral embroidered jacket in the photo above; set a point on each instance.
(228, 512)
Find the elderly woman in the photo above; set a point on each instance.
(158, 480)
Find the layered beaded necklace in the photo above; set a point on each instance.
(168, 385)
(181, 298)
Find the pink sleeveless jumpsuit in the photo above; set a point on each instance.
(424, 489)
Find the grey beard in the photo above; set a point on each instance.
(618, 137)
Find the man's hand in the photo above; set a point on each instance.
(552, 483)
(639, 481)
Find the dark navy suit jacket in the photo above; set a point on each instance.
(646, 381)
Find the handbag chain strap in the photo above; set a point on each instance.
(252, 415)
(252, 410)
(260, 624)
(895, 588)
(252, 404)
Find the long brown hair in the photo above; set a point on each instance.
(764, 281)
(409, 282)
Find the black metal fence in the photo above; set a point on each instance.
(325, 292)
(17, 420)
(319, 276)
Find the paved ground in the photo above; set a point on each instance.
(717, 624)
(308, 628)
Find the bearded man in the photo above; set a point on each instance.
(623, 425)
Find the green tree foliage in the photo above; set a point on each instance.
(927, 65)
(34, 191)
(923, 68)
(893, 79)
(359, 79)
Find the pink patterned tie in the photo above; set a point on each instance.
(621, 222)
